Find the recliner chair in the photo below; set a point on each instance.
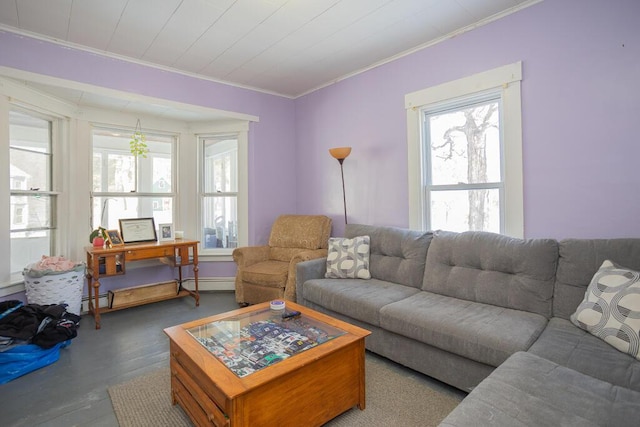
(269, 272)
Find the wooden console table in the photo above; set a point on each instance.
(105, 262)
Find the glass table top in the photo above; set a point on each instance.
(252, 341)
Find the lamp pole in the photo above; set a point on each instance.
(344, 196)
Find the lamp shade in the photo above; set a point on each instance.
(340, 153)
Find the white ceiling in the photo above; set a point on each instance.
(286, 47)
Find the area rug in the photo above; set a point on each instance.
(395, 396)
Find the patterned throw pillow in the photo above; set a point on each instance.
(611, 308)
(348, 258)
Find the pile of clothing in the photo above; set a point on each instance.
(31, 336)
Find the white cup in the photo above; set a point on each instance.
(179, 234)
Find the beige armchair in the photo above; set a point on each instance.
(269, 272)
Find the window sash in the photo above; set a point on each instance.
(454, 106)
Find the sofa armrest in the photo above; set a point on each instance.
(307, 270)
(290, 287)
(248, 255)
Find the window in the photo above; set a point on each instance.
(32, 199)
(126, 186)
(219, 195)
(465, 154)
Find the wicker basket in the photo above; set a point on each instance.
(63, 288)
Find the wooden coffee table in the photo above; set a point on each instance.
(249, 367)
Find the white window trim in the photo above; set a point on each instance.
(241, 129)
(507, 78)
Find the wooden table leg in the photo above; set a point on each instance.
(96, 304)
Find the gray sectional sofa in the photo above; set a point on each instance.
(489, 314)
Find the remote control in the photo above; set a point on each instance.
(290, 315)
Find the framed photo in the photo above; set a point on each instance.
(114, 238)
(165, 231)
(136, 230)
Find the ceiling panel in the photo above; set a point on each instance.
(448, 16)
(235, 23)
(50, 18)
(191, 20)
(9, 13)
(288, 47)
(286, 24)
(92, 22)
(137, 28)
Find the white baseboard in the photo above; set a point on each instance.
(204, 284)
(212, 284)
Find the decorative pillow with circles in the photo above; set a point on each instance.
(610, 309)
(348, 258)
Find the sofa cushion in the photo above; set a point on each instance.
(397, 255)
(485, 333)
(348, 258)
(610, 309)
(267, 273)
(528, 390)
(579, 260)
(358, 299)
(493, 269)
(567, 345)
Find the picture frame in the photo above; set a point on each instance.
(165, 232)
(114, 238)
(138, 230)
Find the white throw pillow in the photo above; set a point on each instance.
(611, 308)
(348, 258)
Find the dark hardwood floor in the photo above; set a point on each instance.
(73, 390)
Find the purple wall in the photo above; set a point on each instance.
(580, 105)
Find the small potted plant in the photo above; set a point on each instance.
(98, 236)
(138, 143)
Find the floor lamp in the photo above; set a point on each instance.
(340, 154)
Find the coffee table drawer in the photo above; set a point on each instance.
(198, 402)
(189, 369)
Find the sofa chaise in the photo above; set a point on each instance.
(490, 315)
